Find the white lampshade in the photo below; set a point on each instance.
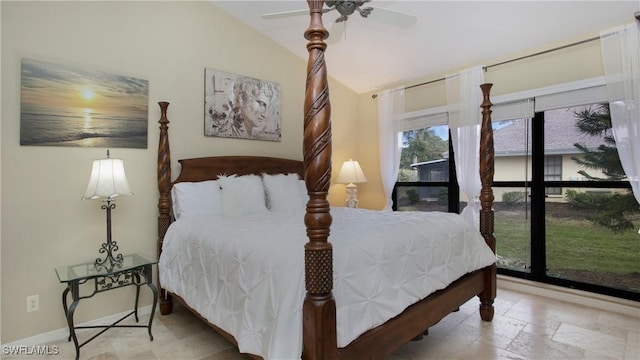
(351, 173)
(108, 180)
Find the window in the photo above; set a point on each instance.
(425, 170)
(553, 172)
(557, 214)
(591, 221)
(557, 196)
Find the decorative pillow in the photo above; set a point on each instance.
(242, 195)
(284, 192)
(196, 199)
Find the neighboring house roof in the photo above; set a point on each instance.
(560, 135)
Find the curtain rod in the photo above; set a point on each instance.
(485, 68)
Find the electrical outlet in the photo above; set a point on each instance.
(33, 303)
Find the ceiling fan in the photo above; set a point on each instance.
(347, 8)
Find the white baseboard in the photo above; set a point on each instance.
(63, 333)
(598, 301)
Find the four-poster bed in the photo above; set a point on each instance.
(319, 325)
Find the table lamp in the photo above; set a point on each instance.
(107, 181)
(351, 174)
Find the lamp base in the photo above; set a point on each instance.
(352, 199)
(110, 261)
(109, 247)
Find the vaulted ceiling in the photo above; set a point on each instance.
(405, 40)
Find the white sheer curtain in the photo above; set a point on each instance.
(463, 101)
(390, 103)
(621, 58)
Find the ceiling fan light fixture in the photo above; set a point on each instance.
(346, 8)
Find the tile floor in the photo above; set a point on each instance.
(524, 327)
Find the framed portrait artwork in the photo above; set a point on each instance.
(62, 105)
(241, 107)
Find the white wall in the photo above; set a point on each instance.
(44, 222)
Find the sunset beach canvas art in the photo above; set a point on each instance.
(67, 106)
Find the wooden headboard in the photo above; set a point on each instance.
(208, 168)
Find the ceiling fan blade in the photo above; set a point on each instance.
(285, 14)
(393, 17)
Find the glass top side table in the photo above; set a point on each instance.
(135, 270)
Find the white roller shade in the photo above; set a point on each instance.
(576, 97)
(512, 110)
(518, 105)
(421, 119)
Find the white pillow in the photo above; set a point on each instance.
(242, 195)
(285, 192)
(302, 193)
(196, 199)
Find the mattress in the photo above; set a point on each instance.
(245, 274)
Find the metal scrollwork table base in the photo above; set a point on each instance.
(134, 270)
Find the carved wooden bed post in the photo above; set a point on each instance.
(164, 202)
(486, 202)
(319, 308)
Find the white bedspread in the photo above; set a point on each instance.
(246, 274)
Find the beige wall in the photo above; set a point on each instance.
(574, 63)
(44, 222)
